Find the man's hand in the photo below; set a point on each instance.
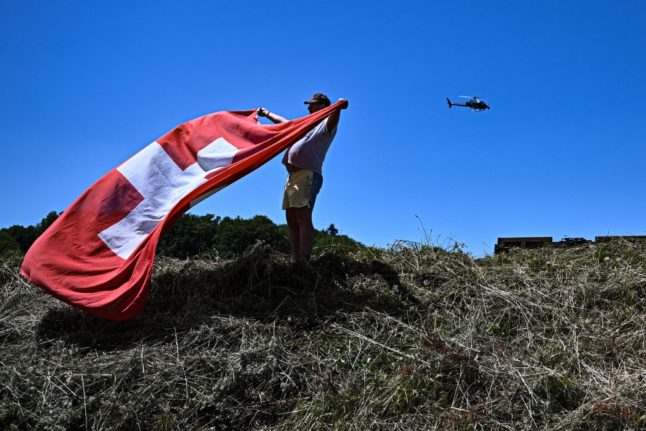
(271, 116)
(263, 112)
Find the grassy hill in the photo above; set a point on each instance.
(414, 337)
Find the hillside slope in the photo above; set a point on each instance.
(408, 338)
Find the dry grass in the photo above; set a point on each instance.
(408, 338)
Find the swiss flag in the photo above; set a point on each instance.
(98, 255)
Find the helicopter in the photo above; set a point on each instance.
(474, 103)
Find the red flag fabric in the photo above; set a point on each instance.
(98, 255)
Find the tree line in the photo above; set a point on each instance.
(194, 235)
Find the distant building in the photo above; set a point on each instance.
(504, 245)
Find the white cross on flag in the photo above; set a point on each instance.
(98, 255)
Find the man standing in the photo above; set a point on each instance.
(304, 163)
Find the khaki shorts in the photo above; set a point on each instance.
(301, 189)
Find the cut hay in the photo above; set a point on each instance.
(413, 337)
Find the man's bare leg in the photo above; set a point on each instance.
(294, 232)
(306, 231)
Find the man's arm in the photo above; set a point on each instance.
(274, 118)
(333, 120)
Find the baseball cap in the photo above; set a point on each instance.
(318, 98)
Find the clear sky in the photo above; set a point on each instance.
(86, 84)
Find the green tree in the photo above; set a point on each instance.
(46, 222)
(191, 235)
(329, 239)
(332, 230)
(236, 234)
(7, 243)
(24, 236)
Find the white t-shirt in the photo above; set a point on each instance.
(309, 152)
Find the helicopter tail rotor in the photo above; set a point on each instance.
(449, 102)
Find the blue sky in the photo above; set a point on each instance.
(86, 84)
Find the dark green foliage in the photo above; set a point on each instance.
(329, 239)
(228, 237)
(7, 243)
(191, 235)
(25, 236)
(332, 230)
(194, 235)
(46, 222)
(235, 235)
